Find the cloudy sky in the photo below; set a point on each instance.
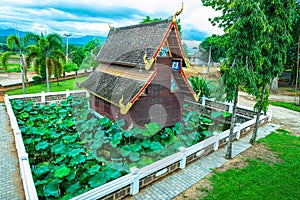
(91, 17)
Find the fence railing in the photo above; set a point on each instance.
(138, 178)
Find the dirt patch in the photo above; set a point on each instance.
(197, 191)
(258, 151)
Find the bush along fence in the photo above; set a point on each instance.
(138, 178)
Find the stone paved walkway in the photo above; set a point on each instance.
(10, 181)
(172, 186)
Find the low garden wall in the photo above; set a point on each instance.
(131, 184)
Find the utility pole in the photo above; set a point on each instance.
(297, 72)
(209, 60)
(67, 47)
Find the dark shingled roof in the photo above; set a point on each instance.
(112, 82)
(127, 45)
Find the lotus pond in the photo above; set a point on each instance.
(72, 151)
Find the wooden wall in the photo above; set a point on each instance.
(159, 104)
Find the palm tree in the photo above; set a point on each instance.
(44, 52)
(14, 42)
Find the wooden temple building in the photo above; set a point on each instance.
(140, 76)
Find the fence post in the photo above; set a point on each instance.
(203, 101)
(238, 133)
(67, 93)
(230, 107)
(216, 145)
(183, 160)
(269, 114)
(43, 97)
(135, 186)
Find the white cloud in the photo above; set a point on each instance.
(90, 17)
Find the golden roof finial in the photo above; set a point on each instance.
(177, 13)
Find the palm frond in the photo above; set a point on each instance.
(4, 58)
(55, 41)
(12, 40)
(30, 38)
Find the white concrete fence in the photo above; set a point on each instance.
(132, 180)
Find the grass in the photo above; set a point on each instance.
(260, 180)
(63, 86)
(288, 105)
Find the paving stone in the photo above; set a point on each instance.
(8, 161)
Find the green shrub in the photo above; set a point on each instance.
(37, 80)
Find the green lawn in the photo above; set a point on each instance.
(63, 86)
(288, 105)
(260, 180)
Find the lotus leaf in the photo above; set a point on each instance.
(41, 170)
(62, 172)
(94, 169)
(42, 145)
(78, 159)
(97, 179)
(75, 152)
(58, 148)
(52, 189)
(74, 189)
(134, 156)
(155, 146)
(146, 143)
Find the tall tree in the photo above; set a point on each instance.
(15, 45)
(291, 63)
(276, 40)
(217, 45)
(243, 24)
(44, 52)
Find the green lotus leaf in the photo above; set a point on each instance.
(78, 159)
(99, 134)
(58, 148)
(72, 175)
(29, 123)
(52, 189)
(74, 189)
(94, 169)
(155, 146)
(97, 179)
(112, 173)
(145, 161)
(97, 144)
(40, 182)
(117, 137)
(128, 133)
(41, 170)
(42, 145)
(69, 139)
(208, 133)
(125, 151)
(62, 172)
(146, 143)
(75, 152)
(136, 146)
(134, 156)
(24, 115)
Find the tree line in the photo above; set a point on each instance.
(45, 54)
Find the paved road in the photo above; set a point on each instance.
(10, 181)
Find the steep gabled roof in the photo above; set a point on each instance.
(114, 82)
(123, 74)
(127, 45)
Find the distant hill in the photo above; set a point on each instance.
(72, 40)
(83, 40)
